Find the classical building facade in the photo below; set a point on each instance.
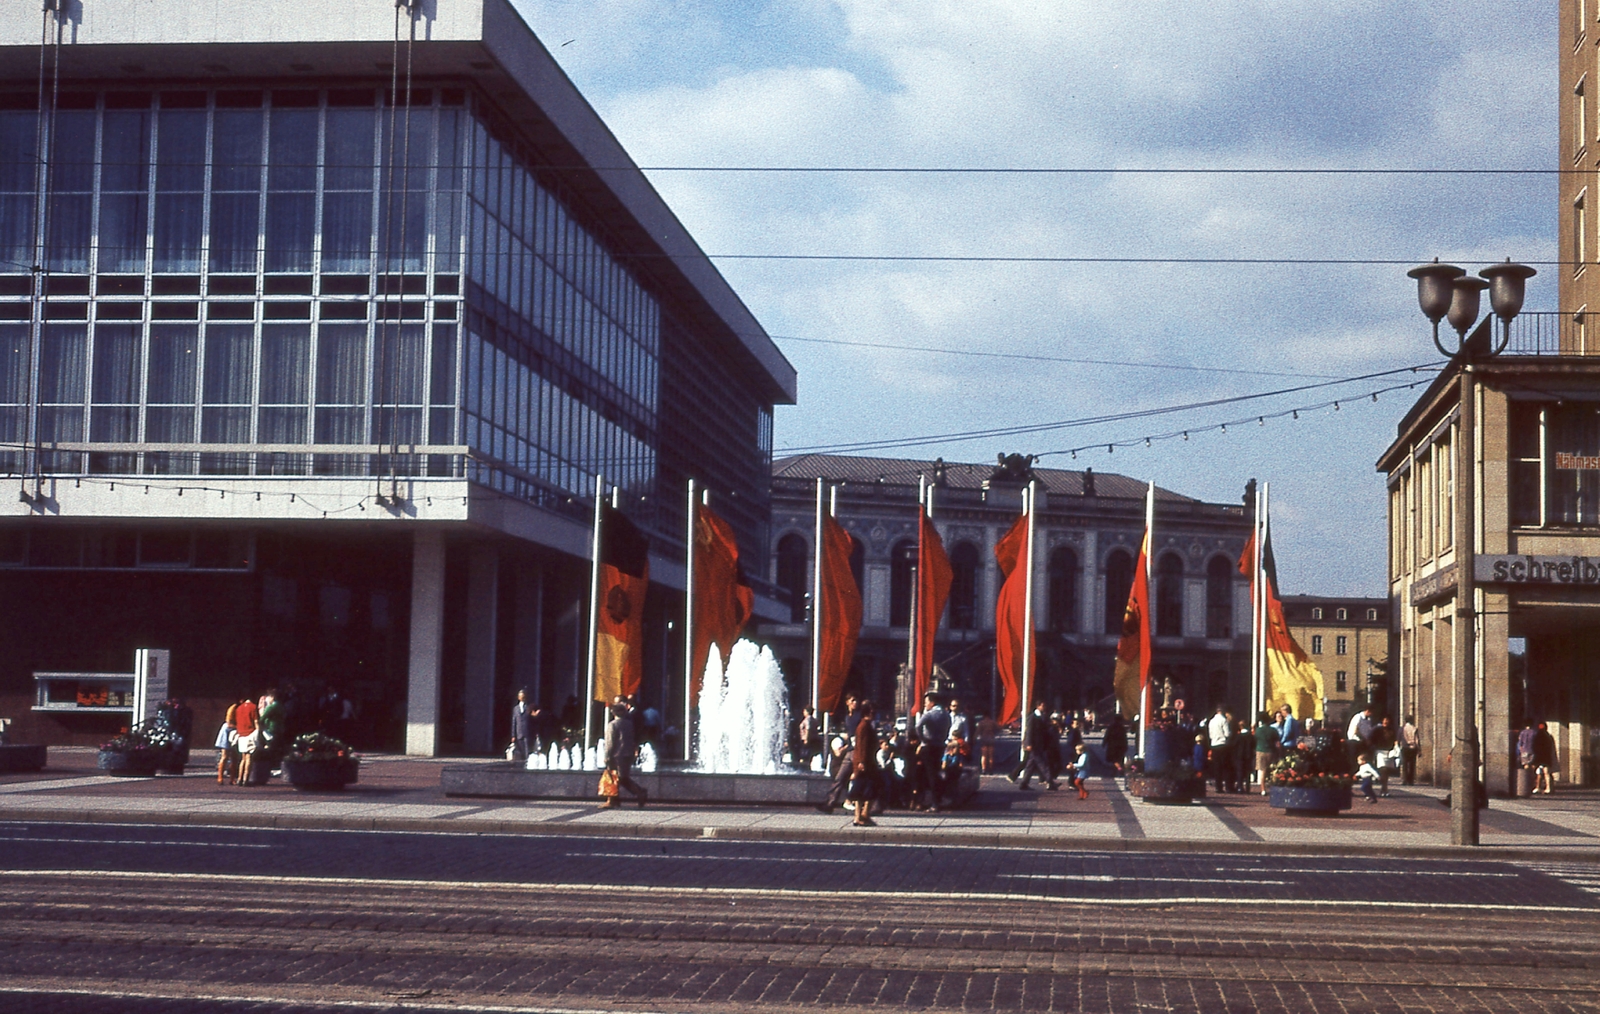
(1089, 530)
(308, 378)
(1348, 640)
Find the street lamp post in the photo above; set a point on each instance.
(1445, 291)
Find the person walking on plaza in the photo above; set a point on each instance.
(808, 737)
(249, 736)
(1219, 730)
(932, 730)
(621, 746)
(1385, 754)
(1366, 774)
(1037, 742)
(865, 776)
(1289, 729)
(524, 720)
(960, 724)
(988, 729)
(1544, 760)
(842, 759)
(1080, 770)
(1410, 746)
(1267, 739)
(228, 747)
(1115, 743)
(1358, 735)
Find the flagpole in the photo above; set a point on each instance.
(594, 615)
(688, 633)
(816, 616)
(1027, 611)
(1266, 592)
(1255, 594)
(1149, 552)
(908, 702)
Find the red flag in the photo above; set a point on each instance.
(1133, 649)
(933, 589)
(624, 578)
(722, 597)
(839, 614)
(1010, 618)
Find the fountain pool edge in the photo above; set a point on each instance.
(507, 780)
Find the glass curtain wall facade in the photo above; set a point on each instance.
(247, 281)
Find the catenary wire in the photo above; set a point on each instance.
(1007, 431)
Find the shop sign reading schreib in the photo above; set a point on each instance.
(1537, 569)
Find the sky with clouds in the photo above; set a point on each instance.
(1104, 84)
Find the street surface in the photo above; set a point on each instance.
(146, 918)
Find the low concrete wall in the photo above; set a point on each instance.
(18, 757)
(511, 781)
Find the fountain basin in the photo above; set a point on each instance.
(511, 781)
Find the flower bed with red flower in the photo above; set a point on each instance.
(1304, 769)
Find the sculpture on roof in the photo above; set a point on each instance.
(1014, 468)
(1088, 482)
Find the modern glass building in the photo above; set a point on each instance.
(317, 326)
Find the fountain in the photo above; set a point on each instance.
(741, 726)
(743, 715)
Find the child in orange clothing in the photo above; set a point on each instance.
(1080, 771)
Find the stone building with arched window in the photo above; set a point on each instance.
(1090, 526)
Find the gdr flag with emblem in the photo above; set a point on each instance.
(624, 577)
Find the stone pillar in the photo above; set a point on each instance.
(478, 692)
(1495, 671)
(1089, 619)
(427, 642)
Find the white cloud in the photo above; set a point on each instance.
(1008, 83)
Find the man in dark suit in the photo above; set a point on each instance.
(524, 725)
(1037, 743)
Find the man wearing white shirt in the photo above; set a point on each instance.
(1219, 730)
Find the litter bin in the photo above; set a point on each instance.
(1524, 782)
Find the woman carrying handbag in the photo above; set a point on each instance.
(865, 772)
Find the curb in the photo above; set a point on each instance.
(878, 836)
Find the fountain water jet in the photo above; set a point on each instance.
(743, 714)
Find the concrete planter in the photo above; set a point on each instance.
(138, 764)
(1310, 801)
(1161, 789)
(321, 774)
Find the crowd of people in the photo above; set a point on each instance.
(256, 732)
(918, 768)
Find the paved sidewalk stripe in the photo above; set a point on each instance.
(1231, 821)
(69, 783)
(817, 895)
(1127, 821)
(136, 841)
(386, 1003)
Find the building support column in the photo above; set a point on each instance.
(527, 666)
(427, 643)
(478, 692)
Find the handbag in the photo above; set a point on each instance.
(860, 789)
(511, 750)
(609, 787)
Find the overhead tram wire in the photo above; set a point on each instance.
(1050, 359)
(1009, 431)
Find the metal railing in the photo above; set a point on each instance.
(1552, 333)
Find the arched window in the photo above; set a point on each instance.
(792, 553)
(1119, 581)
(1219, 597)
(964, 587)
(1063, 590)
(1169, 596)
(902, 574)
